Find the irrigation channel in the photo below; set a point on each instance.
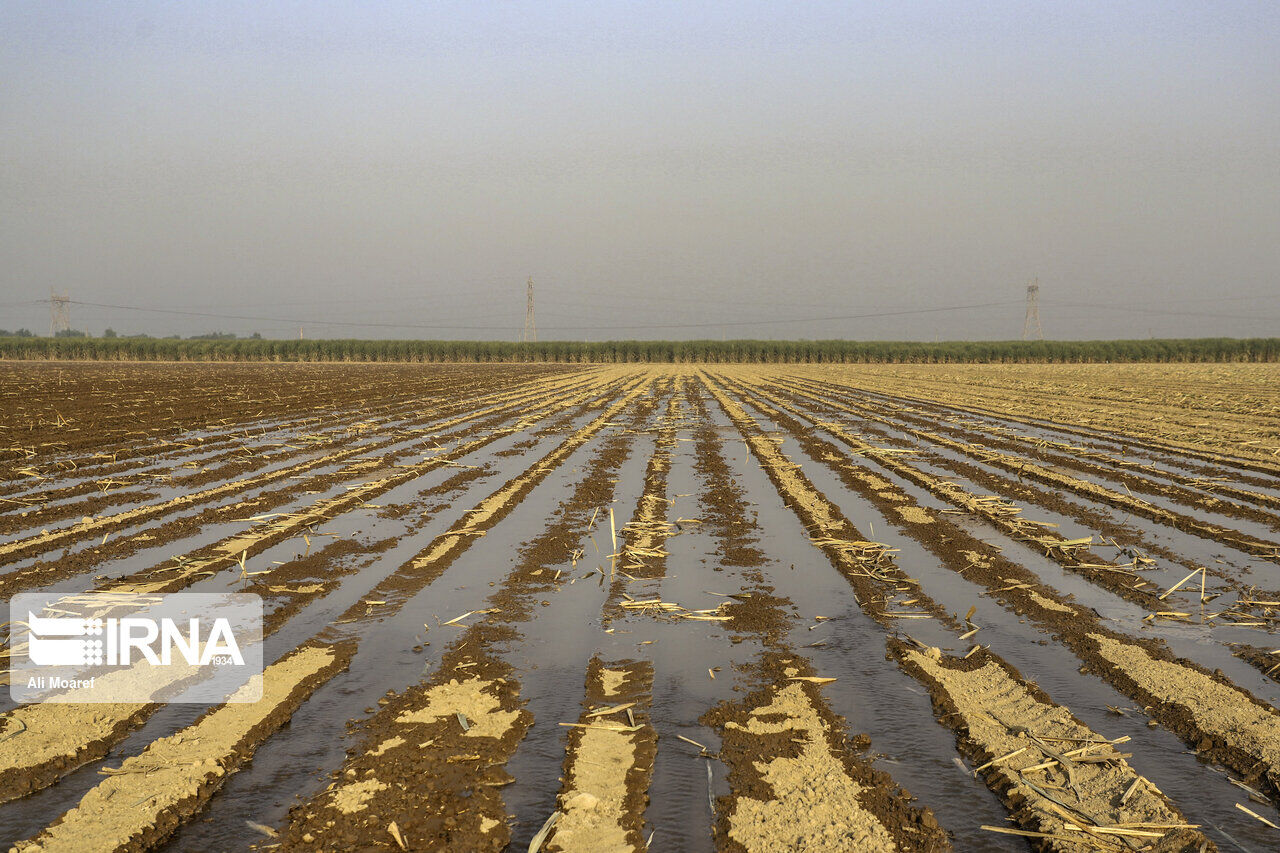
(691, 608)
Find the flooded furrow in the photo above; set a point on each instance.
(1119, 452)
(1073, 424)
(272, 527)
(470, 666)
(1042, 604)
(632, 608)
(156, 482)
(94, 527)
(68, 749)
(1170, 543)
(394, 650)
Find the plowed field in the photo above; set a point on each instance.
(613, 608)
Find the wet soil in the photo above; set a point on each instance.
(787, 527)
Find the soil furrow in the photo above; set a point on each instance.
(388, 429)
(274, 529)
(764, 646)
(455, 801)
(609, 763)
(1186, 490)
(1024, 467)
(20, 772)
(1213, 728)
(97, 526)
(1046, 607)
(1119, 578)
(1065, 784)
(148, 796)
(1071, 421)
(880, 808)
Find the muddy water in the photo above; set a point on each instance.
(1191, 549)
(37, 811)
(684, 655)
(680, 812)
(901, 406)
(898, 427)
(297, 766)
(187, 542)
(1201, 643)
(164, 549)
(873, 695)
(982, 431)
(1204, 643)
(550, 658)
(421, 443)
(1160, 756)
(270, 452)
(980, 409)
(364, 524)
(1177, 461)
(255, 430)
(25, 818)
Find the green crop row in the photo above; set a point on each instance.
(640, 352)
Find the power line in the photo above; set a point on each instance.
(1252, 298)
(587, 326)
(833, 317)
(654, 298)
(292, 321)
(1137, 310)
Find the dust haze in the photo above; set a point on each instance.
(739, 170)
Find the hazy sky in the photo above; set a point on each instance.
(654, 166)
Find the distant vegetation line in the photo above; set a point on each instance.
(745, 351)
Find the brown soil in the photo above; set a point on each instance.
(609, 763)
(178, 774)
(776, 809)
(418, 766)
(1020, 591)
(1026, 742)
(427, 768)
(797, 783)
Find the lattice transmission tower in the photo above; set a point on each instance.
(530, 327)
(59, 314)
(1031, 325)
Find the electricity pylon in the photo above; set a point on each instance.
(1031, 325)
(530, 327)
(59, 314)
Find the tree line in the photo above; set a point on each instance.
(641, 352)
